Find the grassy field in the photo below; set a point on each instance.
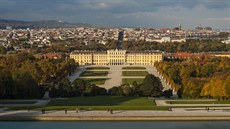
(103, 101)
(140, 68)
(134, 73)
(94, 73)
(17, 102)
(131, 80)
(91, 108)
(97, 81)
(100, 103)
(198, 102)
(97, 68)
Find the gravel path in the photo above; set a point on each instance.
(160, 102)
(153, 70)
(174, 112)
(76, 74)
(114, 77)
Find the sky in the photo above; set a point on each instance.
(123, 13)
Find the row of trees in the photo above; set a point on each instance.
(193, 45)
(23, 76)
(151, 87)
(207, 77)
(188, 46)
(79, 87)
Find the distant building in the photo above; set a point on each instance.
(49, 56)
(203, 28)
(169, 39)
(116, 57)
(220, 54)
(226, 41)
(185, 55)
(9, 27)
(165, 39)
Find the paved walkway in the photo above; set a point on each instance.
(153, 70)
(115, 76)
(76, 74)
(174, 112)
(162, 102)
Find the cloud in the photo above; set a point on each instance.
(218, 19)
(152, 13)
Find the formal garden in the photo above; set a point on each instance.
(94, 73)
(134, 73)
(133, 68)
(97, 68)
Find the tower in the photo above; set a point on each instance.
(120, 40)
(179, 26)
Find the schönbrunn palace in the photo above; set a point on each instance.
(116, 57)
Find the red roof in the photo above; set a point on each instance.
(49, 55)
(188, 55)
(182, 55)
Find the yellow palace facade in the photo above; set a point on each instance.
(116, 57)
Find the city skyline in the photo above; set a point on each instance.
(129, 13)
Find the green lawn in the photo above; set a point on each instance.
(103, 101)
(94, 73)
(134, 73)
(91, 108)
(97, 81)
(97, 68)
(141, 68)
(100, 103)
(198, 102)
(16, 102)
(131, 80)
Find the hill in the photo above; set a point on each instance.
(39, 24)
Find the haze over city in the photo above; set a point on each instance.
(120, 13)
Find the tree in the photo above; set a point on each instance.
(84, 88)
(27, 86)
(127, 90)
(65, 88)
(227, 86)
(114, 91)
(168, 93)
(2, 50)
(33, 69)
(151, 86)
(206, 90)
(180, 92)
(7, 87)
(94, 90)
(136, 89)
(192, 87)
(207, 69)
(80, 86)
(217, 88)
